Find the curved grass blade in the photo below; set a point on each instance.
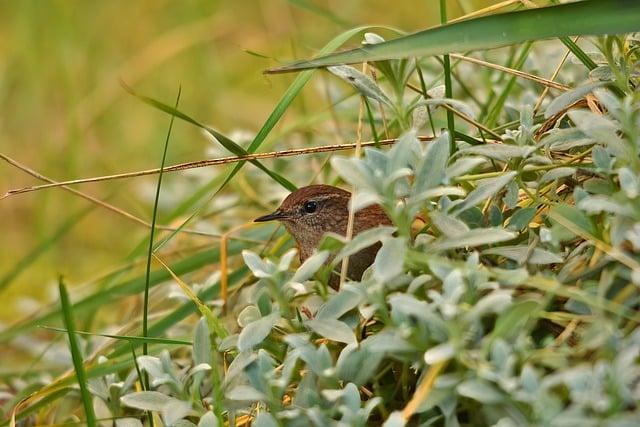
(590, 17)
(126, 288)
(290, 95)
(222, 139)
(125, 337)
(67, 314)
(145, 312)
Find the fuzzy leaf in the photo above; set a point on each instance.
(486, 188)
(333, 330)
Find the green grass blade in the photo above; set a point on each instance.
(78, 366)
(133, 338)
(590, 17)
(579, 53)
(222, 139)
(127, 288)
(448, 89)
(498, 106)
(289, 96)
(145, 312)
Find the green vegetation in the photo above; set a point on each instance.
(506, 293)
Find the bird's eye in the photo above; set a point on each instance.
(310, 206)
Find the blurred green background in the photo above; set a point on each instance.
(64, 113)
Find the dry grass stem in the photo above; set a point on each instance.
(206, 163)
(546, 82)
(97, 201)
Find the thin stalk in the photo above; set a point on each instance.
(145, 314)
(447, 83)
(81, 376)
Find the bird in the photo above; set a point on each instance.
(312, 211)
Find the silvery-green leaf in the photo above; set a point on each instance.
(147, 400)
(453, 103)
(339, 304)
(363, 198)
(557, 173)
(285, 260)
(608, 99)
(174, 411)
(409, 305)
(100, 408)
(434, 193)
(151, 365)
(521, 218)
(463, 165)
(599, 203)
(431, 171)
(502, 152)
(264, 419)
(495, 302)
(475, 237)
(351, 397)
(364, 240)
(351, 171)
(486, 189)
(310, 266)
(436, 92)
(602, 73)
(396, 419)
(389, 260)
(255, 332)
(511, 196)
(249, 314)
(629, 182)
(255, 264)
(200, 367)
(244, 392)
(419, 116)
(601, 158)
(209, 420)
(599, 128)
(480, 390)
(520, 253)
(333, 330)
(566, 138)
(439, 353)
(361, 82)
(568, 98)
(448, 225)
(128, 422)
(202, 343)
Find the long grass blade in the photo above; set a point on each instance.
(590, 17)
(67, 312)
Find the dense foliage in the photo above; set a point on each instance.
(506, 293)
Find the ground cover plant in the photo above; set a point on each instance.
(506, 293)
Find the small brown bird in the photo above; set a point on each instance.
(310, 212)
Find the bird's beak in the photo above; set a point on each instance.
(271, 217)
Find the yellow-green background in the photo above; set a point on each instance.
(64, 113)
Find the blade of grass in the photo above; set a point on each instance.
(288, 97)
(126, 288)
(448, 89)
(145, 309)
(212, 320)
(222, 139)
(497, 108)
(593, 17)
(124, 337)
(78, 366)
